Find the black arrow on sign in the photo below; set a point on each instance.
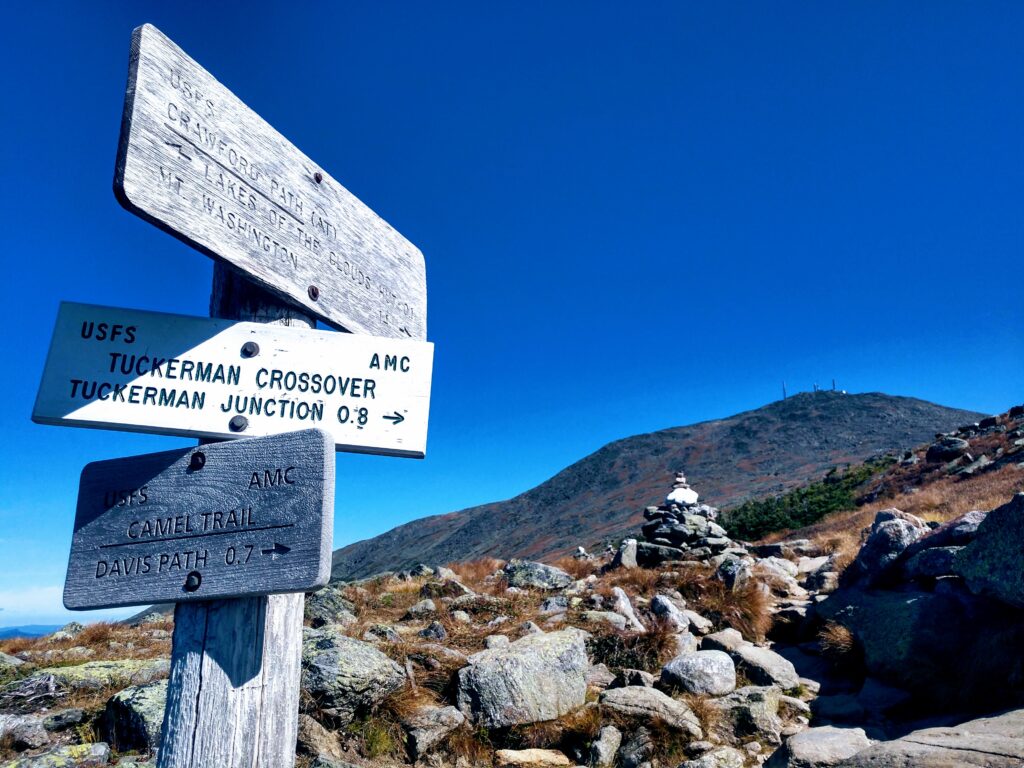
(277, 549)
(396, 419)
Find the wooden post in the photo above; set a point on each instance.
(233, 694)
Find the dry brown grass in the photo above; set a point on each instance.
(578, 568)
(631, 650)
(710, 717)
(642, 582)
(97, 638)
(940, 500)
(474, 573)
(747, 608)
(839, 646)
(472, 745)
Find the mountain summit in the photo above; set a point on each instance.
(765, 451)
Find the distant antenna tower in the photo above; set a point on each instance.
(833, 385)
(783, 390)
(815, 386)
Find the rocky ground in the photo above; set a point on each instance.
(681, 648)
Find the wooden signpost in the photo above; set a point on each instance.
(196, 161)
(169, 374)
(245, 517)
(229, 536)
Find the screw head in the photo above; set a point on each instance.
(250, 349)
(318, 177)
(238, 423)
(197, 461)
(192, 581)
(314, 292)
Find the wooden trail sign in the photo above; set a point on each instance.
(246, 517)
(170, 374)
(197, 162)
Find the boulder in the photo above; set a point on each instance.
(891, 533)
(711, 673)
(992, 563)
(650, 705)
(991, 742)
(719, 757)
(931, 563)
(427, 726)
(9, 664)
(74, 756)
(538, 677)
(955, 533)
(556, 604)
(624, 608)
(946, 449)
(445, 588)
(346, 676)
(605, 617)
(627, 677)
(819, 747)
(751, 712)
(22, 732)
(668, 612)
(381, 633)
(328, 606)
(763, 666)
(530, 758)
(527, 574)
(316, 741)
(652, 555)
(605, 746)
(727, 640)
(422, 609)
(134, 717)
(96, 675)
(63, 719)
(626, 556)
(69, 631)
(637, 749)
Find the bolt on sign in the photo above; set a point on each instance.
(197, 162)
(167, 374)
(246, 517)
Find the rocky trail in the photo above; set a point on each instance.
(681, 647)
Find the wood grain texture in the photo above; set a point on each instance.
(113, 368)
(233, 693)
(197, 162)
(255, 519)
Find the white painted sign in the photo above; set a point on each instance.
(170, 374)
(196, 161)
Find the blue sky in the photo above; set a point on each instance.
(634, 216)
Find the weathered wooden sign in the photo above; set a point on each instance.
(197, 162)
(169, 374)
(246, 517)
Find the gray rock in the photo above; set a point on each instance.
(527, 574)
(891, 533)
(992, 564)
(685, 642)
(991, 742)
(9, 664)
(316, 741)
(719, 757)
(69, 631)
(751, 712)
(955, 533)
(765, 667)
(947, 449)
(669, 613)
(727, 640)
(133, 718)
(711, 673)
(819, 747)
(445, 588)
(346, 676)
(462, 617)
(651, 555)
(652, 706)
(328, 606)
(557, 604)
(74, 756)
(627, 677)
(381, 633)
(23, 732)
(637, 749)
(97, 675)
(63, 719)
(425, 607)
(698, 624)
(624, 608)
(626, 556)
(427, 726)
(931, 563)
(734, 572)
(599, 676)
(497, 641)
(434, 631)
(605, 746)
(538, 677)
